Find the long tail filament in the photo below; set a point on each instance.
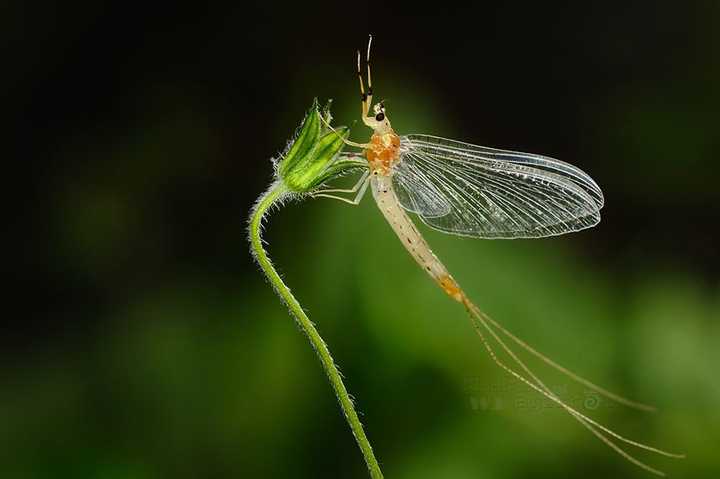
(481, 321)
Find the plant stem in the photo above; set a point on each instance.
(275, 193)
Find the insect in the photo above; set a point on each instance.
(468, 190)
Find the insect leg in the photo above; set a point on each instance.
(363, 95)
(369, 78)
(367, 98)
(355, 201)
(346, 141)
(354, 189)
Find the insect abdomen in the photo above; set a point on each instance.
(410, 237)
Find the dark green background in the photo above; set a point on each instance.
(140, 341)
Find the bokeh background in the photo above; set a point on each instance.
(140, 341)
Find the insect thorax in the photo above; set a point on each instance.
(384, 151)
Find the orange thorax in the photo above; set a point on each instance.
(383, 152)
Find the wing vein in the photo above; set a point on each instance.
(476, 191)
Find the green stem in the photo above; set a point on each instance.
(276, 193)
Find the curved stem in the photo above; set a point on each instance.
(276, 193)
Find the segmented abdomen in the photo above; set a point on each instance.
(410, 237)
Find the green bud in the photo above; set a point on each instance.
(310, 159)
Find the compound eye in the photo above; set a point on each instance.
(380, 116)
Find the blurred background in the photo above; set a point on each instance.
(139, 340)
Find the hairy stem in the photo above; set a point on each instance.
(276, 193)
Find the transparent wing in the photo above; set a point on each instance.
(417, 193)
(472, 190)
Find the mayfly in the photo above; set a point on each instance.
(470, 190)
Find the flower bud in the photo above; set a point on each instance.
(308, 160)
